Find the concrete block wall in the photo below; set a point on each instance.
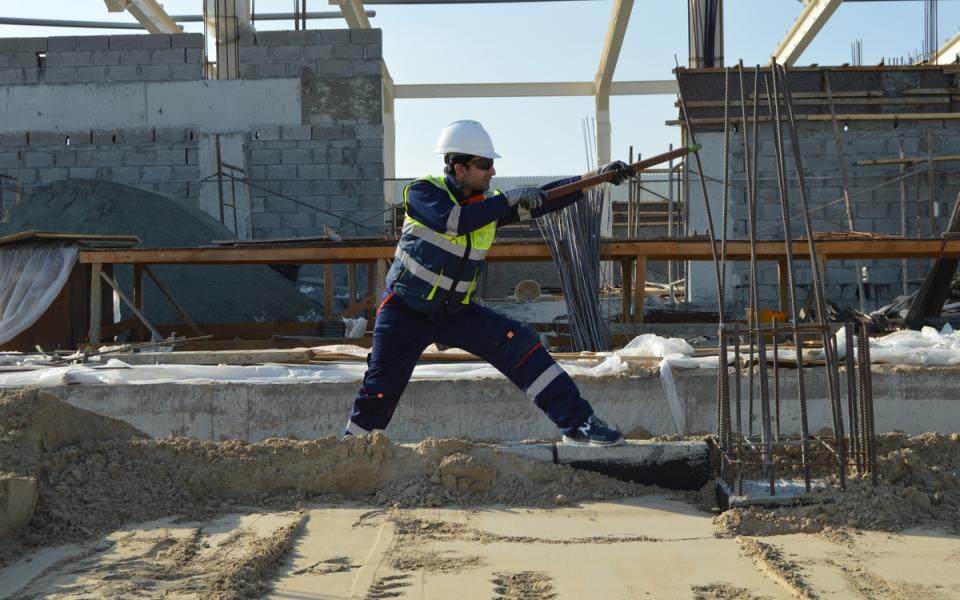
(101, 58)
(328, 156)
(162, 160)
(329, 170)
(875, 197)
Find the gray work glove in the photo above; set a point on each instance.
(527, 199)
(621, 170)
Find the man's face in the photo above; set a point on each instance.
(476, 174)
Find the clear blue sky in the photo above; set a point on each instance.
(554, 41)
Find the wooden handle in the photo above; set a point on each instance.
(594, 180)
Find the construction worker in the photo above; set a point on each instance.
(450, 224)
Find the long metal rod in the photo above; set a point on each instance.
(817, 276)
(178, 18)
(771, 89)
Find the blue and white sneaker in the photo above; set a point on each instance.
(594, 432)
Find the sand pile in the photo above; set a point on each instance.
(919, 485)
(96, 484)
(209, 294)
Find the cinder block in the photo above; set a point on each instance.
(11, 76)
(366, 155)
(139, 158)
(60, 75)
(170, 157)
(275, 204)
(157, 40)
(280, 172)
(280, 145)
(173, 135)
(334, 36)
(185, 173)
(135, 57)
(103, 57)
(24, 60)
(30, 44)
(157, 173)
(348, 51)
(62, 44)
(311, 172)
(66, 158)
(371, 171)
(92, 74)
(319, 155)
(366, 36)
(93, 42)
(125, 42)
(124, 73)
(82, 172)
(254, 54)
(295, 187)
(333, 67)
(186, 40)
(248, 71)
(264, 156)
(328, 132)
(186, 72)
(193, 56)
(373, 51)
(167, 56)
(285, 53)
(264, 220)
(298, 220)
(296, 156)
(296, 132)
(271, 70)
(45, 138)
(343, 172)
(155, 72)
(51, 175)
(317, 52)
(273, 38)
(256, 172)
(13, 139)
(37, 159)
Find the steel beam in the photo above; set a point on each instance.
(147, 12)
(532, 90)
(619, 17)
(811, 20)
(949, 53)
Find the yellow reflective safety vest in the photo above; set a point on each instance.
(433, 270)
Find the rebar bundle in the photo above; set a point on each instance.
(744, 453)
(573, 236)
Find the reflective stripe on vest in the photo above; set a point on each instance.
(435, 279)
(440, 241)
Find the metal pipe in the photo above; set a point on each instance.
(178, 18)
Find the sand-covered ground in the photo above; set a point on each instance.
(116, 514)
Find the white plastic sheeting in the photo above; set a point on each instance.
(31, 276)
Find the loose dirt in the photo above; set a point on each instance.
(118, 514)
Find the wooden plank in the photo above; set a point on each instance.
(96, 303)
(327, 291)
(933, 116)
(626, 277)
(180, 310)
(78, 237)
(357, 307)
(352, 281)
(639, 289)
(837, 101)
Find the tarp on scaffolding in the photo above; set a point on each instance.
(31, 277)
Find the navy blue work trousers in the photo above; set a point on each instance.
(401, 334)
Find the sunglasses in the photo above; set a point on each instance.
(484, 164)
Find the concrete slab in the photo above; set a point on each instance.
(912, 400)
(670, 465)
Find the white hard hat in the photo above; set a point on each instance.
(465, 137)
